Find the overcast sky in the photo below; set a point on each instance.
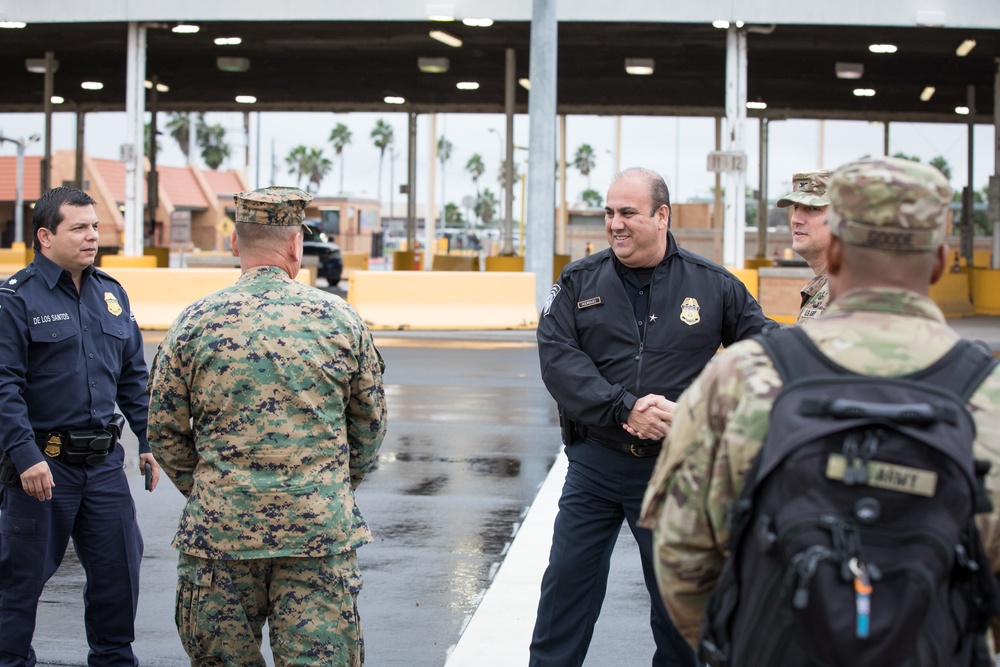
(677, 148)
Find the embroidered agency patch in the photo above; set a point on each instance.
(553, 293)
(689, 311)
(587, 303)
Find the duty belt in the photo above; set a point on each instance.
(642, 451)
(77, 447)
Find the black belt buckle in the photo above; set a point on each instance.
(87, 447)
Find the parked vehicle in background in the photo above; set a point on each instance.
(328, 254)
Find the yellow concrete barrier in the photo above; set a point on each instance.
(124, 261)
(748, 277)
(559, 263)
(986, 292)
(161, 254)
(504, 263)
(951, 294)
(354, 261)
(158, 296)
(405, 260)
(13, 260)
(445, 300)
(455, 263)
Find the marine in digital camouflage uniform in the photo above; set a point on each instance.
(810, 236)
(267, 410)
(887, 217)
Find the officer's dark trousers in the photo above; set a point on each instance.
(602, 488)
(94, 507)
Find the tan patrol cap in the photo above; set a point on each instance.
(810, 189)
(274, 205)
(889, 203)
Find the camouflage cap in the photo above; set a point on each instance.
(889, 204)
(274, 205)
(810, 189)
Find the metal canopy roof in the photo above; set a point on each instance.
(353, 65)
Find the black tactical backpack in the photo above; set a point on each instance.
(853, 543)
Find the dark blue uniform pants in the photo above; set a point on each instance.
(602, 488)
(92, 505)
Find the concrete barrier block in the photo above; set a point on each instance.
(952, 294)
(354, 261)
(748, 277)
(986, 292)
(125, 261)
(444, 300)
(455, 263)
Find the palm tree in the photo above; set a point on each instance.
(585, 160)
(318, 167)
(382, 138)
(475, 166)
(486, 206)
(179, 129)
(592, 198)
(340, 137)
(297, 161)
(941, 164)
(214, 149)
(444, 154)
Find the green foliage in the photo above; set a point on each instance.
(214, 149)
(340, 137)
(382, 137)
(592, 198)
(585, 160)
(486, 206)
(453, 215)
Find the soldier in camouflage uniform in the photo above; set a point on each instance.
(810, 236)
(887, 218)
(267, 410)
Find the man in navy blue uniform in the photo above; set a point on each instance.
(623, 333)
(70, 349)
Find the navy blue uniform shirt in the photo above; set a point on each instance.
(66, 358)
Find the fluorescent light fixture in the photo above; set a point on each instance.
(13, 25)
(964, 48)
(37, 65)
(162, 88)
(849, 70)
(467, 85)
(962, 111)
(443, 13)
(394, 99)
(882, 48)
(185, 29)
(445, 38)
(720, 24)
(525, 83)
(864, 92)
(228, 41)
(927, 94)
(55, 99)
(246, 99)
(433, 65)
(639, 66)
(92, 85)
(756, 105)
(232, 64)
(740, 24)
(478, 23)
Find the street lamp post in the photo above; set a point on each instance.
(19, 188)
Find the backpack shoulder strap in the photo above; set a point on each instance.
(794, 355)
(961, 370)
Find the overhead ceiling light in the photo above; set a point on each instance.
(445, 38)
(740, 24)
(962, 111)
(639, 66)
(160, 87)
(882, 48)
(92, 85)
(525, 83)
(246, 99)
(185, 29)
(37, 65)
(394, 99)
(13, 24)
(964, 48)
(478, 23)
(927, 93)
(467, 85)
(756, 105)
(849, 70)
(228, 41)
(864, 92)
(443, 13)
(55, 99)
(720, 24)
(433, 65)
(232, 64)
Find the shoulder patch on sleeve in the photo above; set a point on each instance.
(11, 284)
(553, 293)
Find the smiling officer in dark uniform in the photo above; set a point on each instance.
(623, 333)
(70, 350)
